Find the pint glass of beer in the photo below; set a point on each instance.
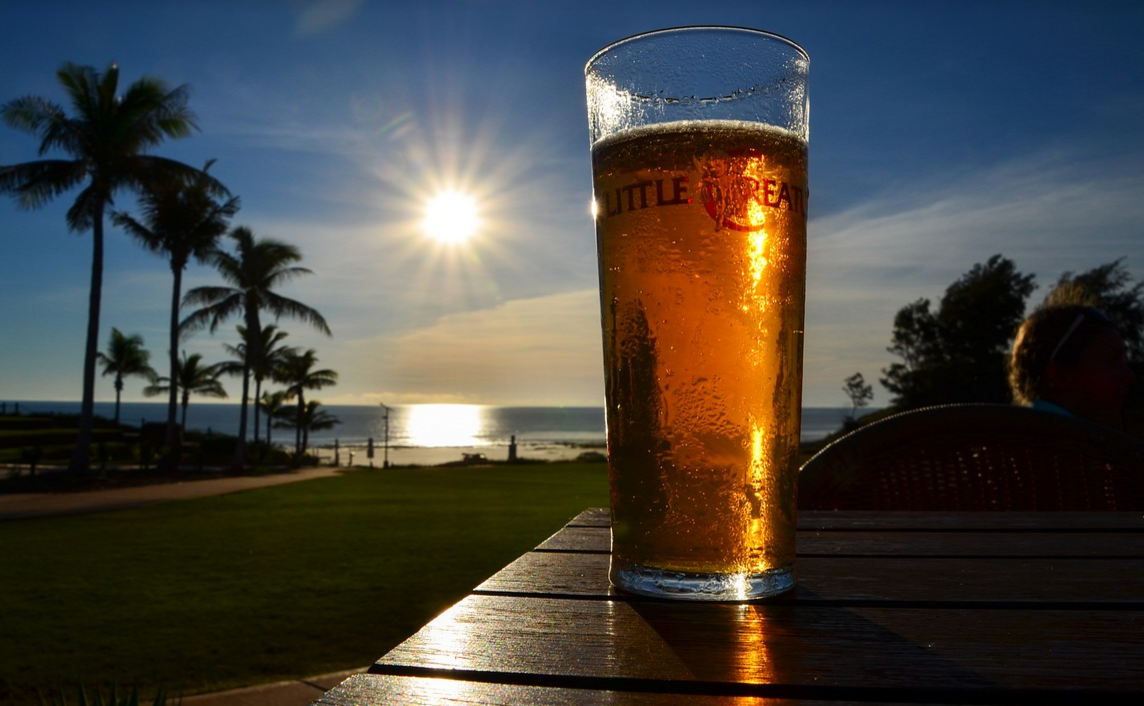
(699, 160)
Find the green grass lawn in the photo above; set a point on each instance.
(264, 585)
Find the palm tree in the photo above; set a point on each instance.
(253, 271)
(125, 356)
(308, 419)
(271, 403)
(106, 141)
(263, 354)
(180, 221)
(298, 374)
(192, 378)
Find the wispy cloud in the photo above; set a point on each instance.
(544, 350)
(1050, 212)
(322, 15)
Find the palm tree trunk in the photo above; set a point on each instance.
(250, 315)
(240, 445)
(81, 457)
(173, 356)
(118, 393)
(298, 428)
(257, 408)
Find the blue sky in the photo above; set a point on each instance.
(941, 133)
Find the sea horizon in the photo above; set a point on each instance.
(413, 426)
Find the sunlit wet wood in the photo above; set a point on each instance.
(902, 607)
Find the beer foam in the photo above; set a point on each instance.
(675, 127)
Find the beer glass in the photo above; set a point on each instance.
(699, 160)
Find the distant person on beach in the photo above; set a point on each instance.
(1070, 359)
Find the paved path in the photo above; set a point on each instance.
(15, 506)
(20, 506)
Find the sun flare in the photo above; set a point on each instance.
(451, 217)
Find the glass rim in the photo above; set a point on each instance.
(690, 28)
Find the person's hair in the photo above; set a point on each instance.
(1052, 333)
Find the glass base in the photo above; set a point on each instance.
(679, 585)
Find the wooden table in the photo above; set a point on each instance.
(947, 608)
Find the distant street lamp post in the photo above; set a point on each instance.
(385, 447)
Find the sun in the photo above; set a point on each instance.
(451, 217)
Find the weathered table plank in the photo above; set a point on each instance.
(381, 690)
(1110, 582)
(918, 543)
(859, 520)
(939, 608)
(725, 646)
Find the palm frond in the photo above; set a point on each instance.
(31, 113)
(286, 274)
(158, 113)
(210, 296)
(228, 266)
(125, 355)
(36, 183)
(150, 170)
(87, 207)
(179, 217)
(140, 233)
(284, 307)
(78, 82)
(160, 386)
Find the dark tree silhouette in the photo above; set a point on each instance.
(125, 356)
(257, 357)
(298, 374)
(191, 378)
(253, 271)
(307, 419)
(959, 353)
(180, 221)
(272, 404)
(106, 142)
(859, 392)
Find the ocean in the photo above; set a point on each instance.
(540, 432)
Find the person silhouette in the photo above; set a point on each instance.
(1070, 359)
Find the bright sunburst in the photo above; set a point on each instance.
(451, 217)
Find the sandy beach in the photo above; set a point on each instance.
(433, 456)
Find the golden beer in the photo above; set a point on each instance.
(701, 232)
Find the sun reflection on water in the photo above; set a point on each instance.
(436, 425)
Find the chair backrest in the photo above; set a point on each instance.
(976, 457)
